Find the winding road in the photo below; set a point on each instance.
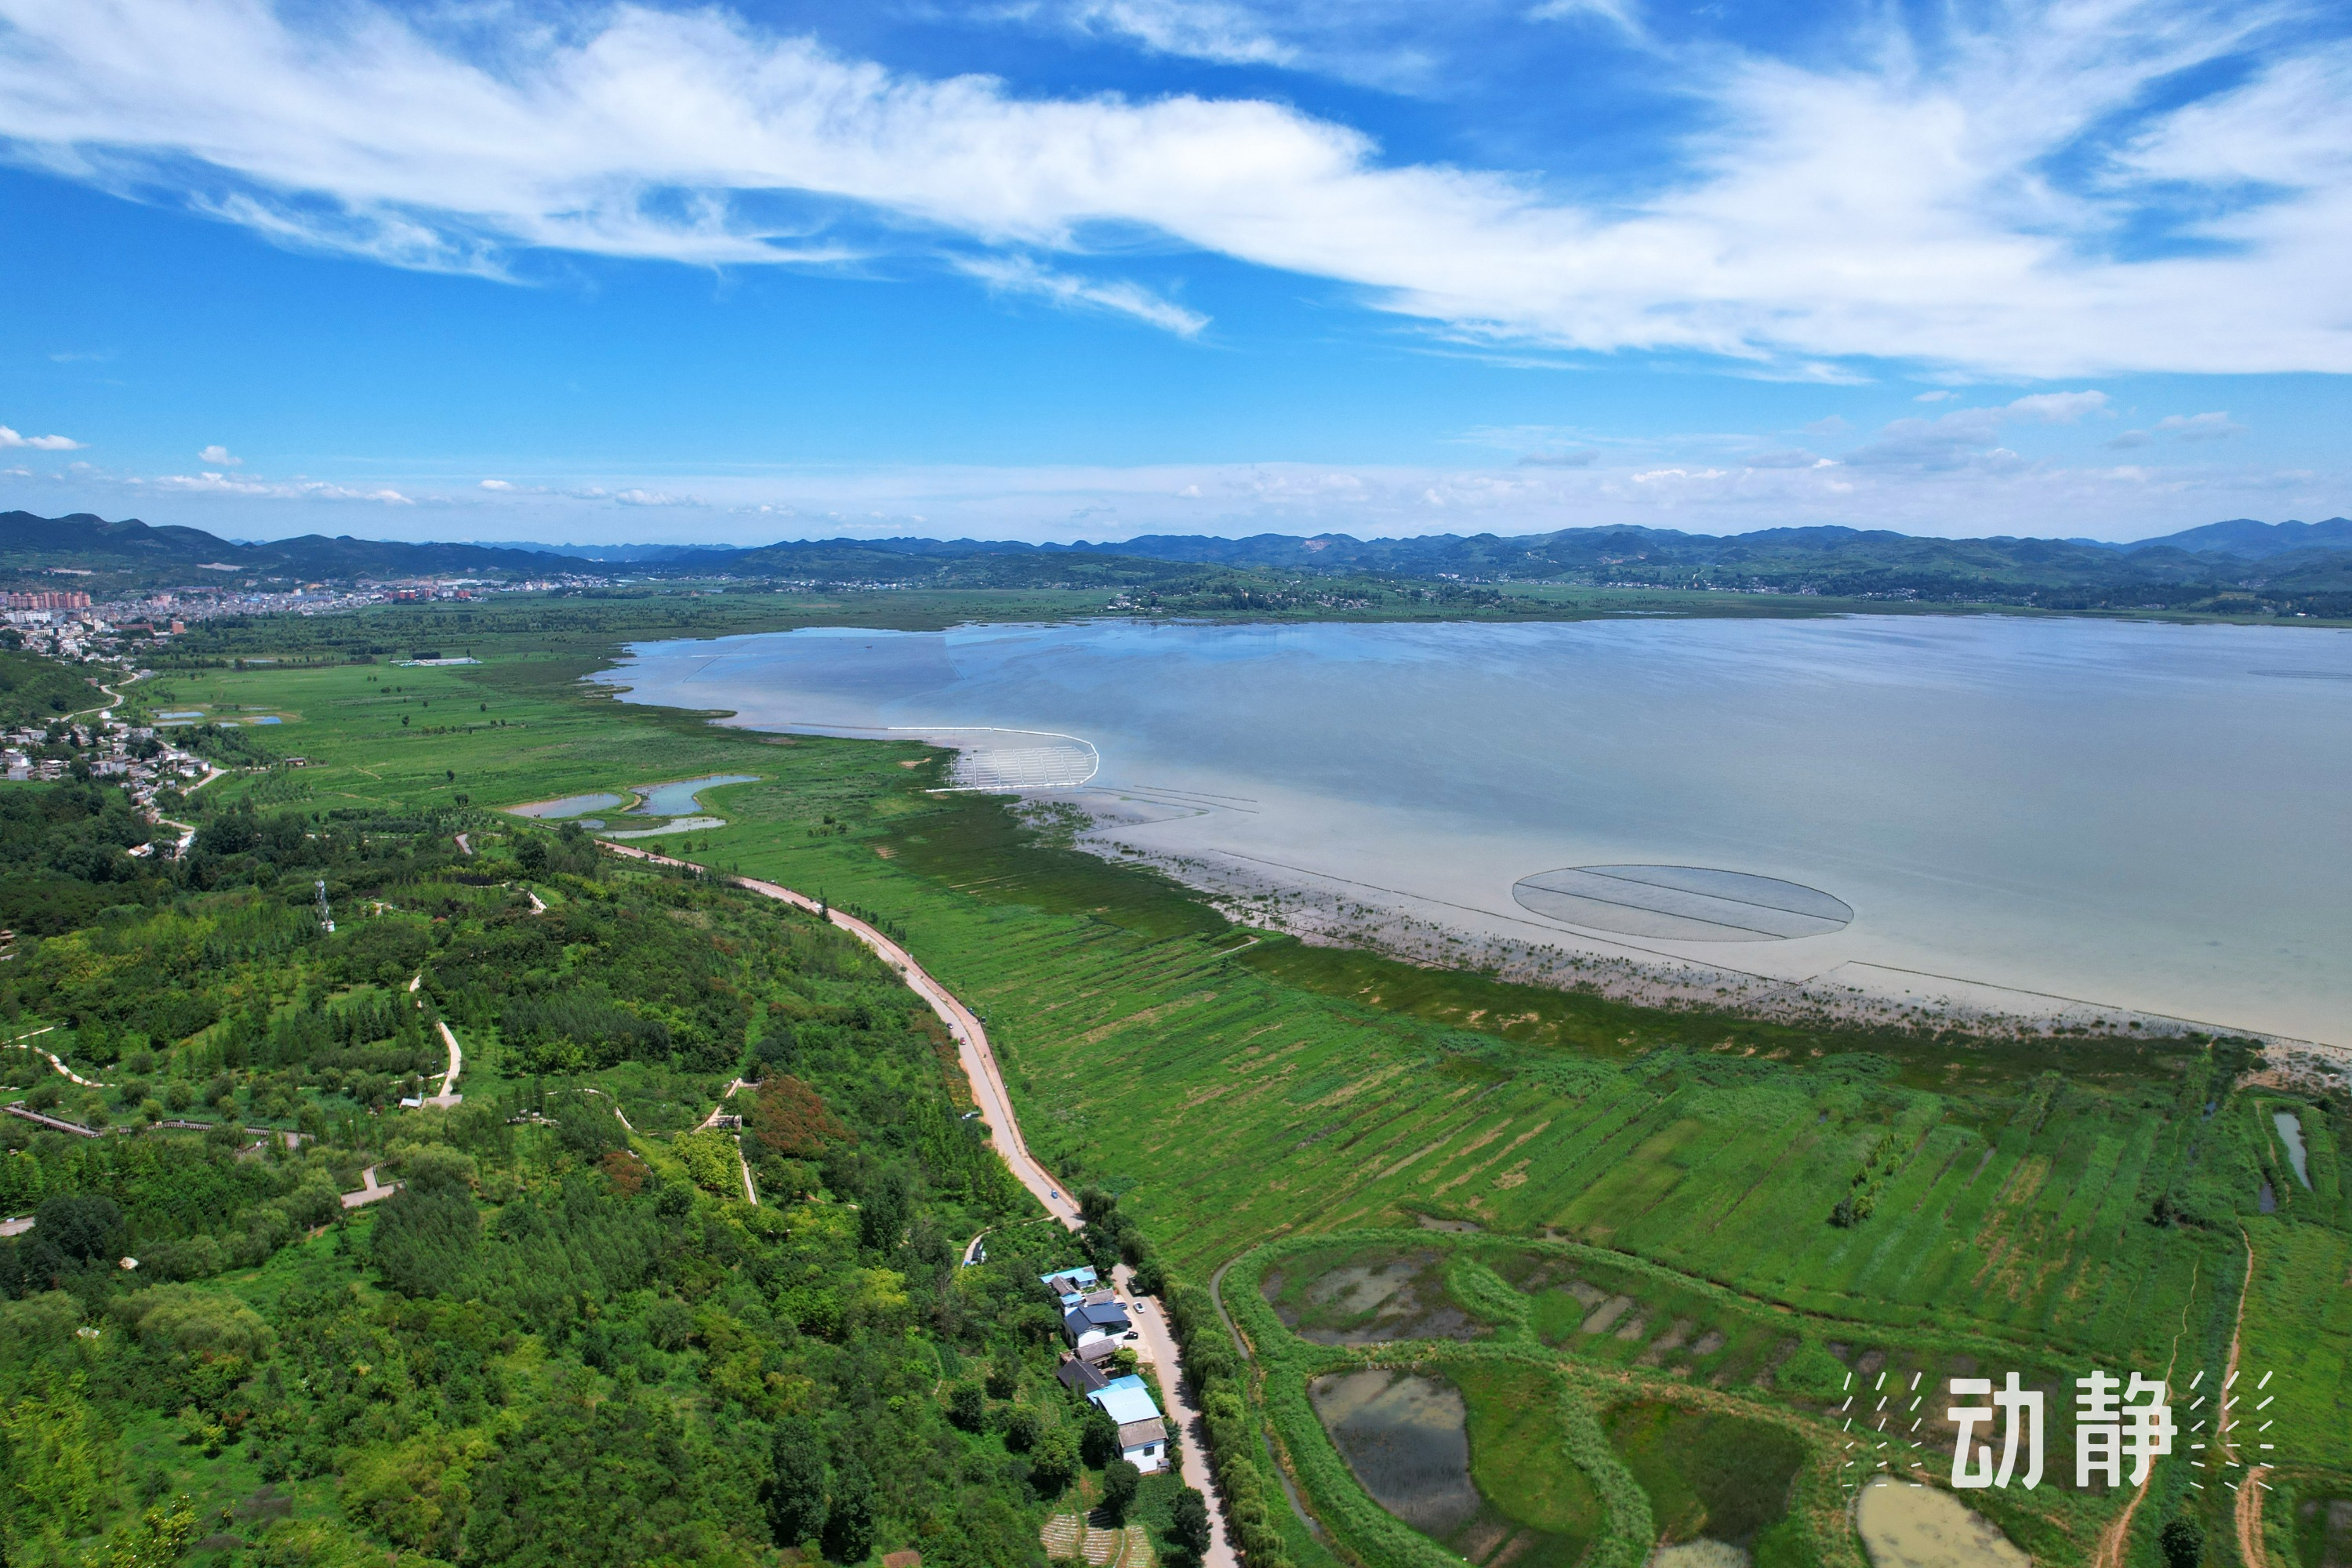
(996, 1114)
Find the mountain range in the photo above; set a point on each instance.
(2283, 567)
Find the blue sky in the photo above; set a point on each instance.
(1087, 268)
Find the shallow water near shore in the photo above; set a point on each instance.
(2065, 814)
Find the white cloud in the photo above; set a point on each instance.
(1942, 395)
(1199, 29)
(1896, 203)
(219, 457)
(1620, 11)
(1964, 437)
(1019, 275)
(38, 443)
(2057, 408)
(252, 486)
(2198, 427)
(1696, 483)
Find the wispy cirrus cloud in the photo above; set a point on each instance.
(1022, 275)
(252, 486)
(1903, 196)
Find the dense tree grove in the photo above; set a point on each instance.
(565, 1339)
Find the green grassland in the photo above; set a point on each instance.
(2048, 1205)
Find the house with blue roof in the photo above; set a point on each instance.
(1094, 1320)
(1142, 1430)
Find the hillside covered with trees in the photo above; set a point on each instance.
(567, 1337)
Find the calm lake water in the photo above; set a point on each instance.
(2134, 815)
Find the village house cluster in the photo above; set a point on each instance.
(1097, 1326)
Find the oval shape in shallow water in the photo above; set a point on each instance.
(1682, 903)
(1909, 1526)
(1407, 1440)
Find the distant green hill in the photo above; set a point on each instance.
(35, 690)
(131, 553)
(2241, 566)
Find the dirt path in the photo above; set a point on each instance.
(2117, 1537)
(996, 1114)
(449, 1095)
(971, 1040)
(2249, 1511)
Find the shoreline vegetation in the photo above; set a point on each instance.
(1809, 1194)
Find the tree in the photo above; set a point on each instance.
(1099, 1443)
(1188, 1521)
(78, 1229)
(1053, 1461)
(2183, 1543)
(1120, 1480)
(424, 1238)
(796, 1500)
(968, 1406)
(1021, 1429)
(789, 1117)
(882, 1216)
(848, 1533)
(157, 1541)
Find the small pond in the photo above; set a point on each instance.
(1407, 1441)
(1909, 1526)
(570, 806)
(677, 798)
(2290, 1131)
(1371, 1299)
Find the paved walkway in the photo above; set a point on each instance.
(449, 1095)
(369, 1192)
(996, 1112)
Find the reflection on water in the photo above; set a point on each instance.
(569, 805)
(2051, 806)
(677, 798)
(1407, 1440)
(2290, 1131)
(1909, 1526)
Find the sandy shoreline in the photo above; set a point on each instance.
(1330, 910)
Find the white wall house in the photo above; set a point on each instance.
(1142, 1433)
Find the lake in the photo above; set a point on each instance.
(2015, 814)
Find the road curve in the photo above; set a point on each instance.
(971, 1040)
(996, 1112)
